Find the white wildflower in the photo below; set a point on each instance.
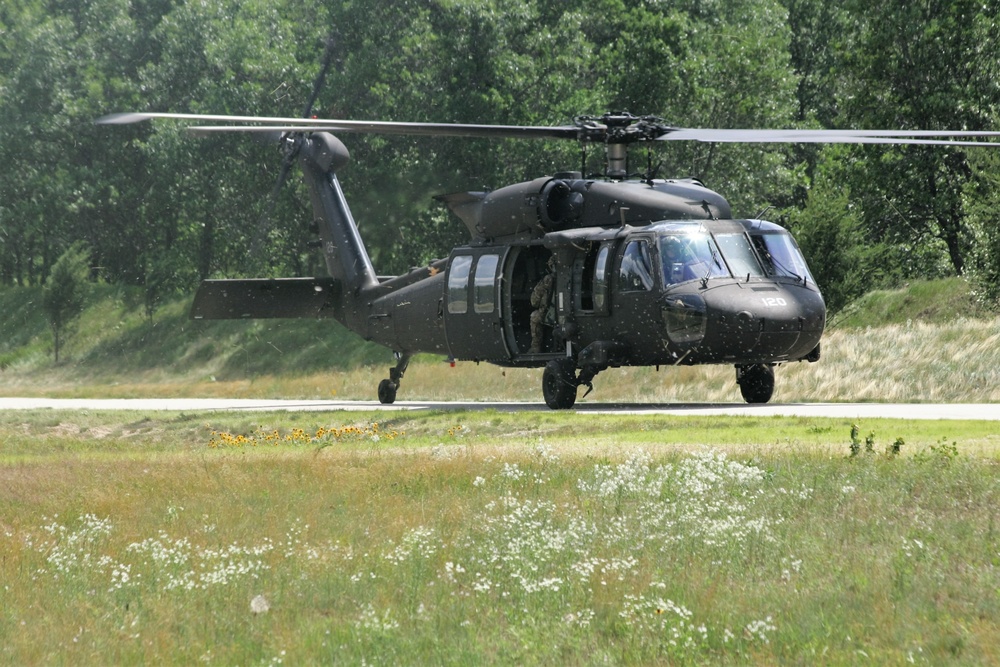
(260, 605)
(758, 629)
(369, 619)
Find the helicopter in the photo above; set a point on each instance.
(568, 272)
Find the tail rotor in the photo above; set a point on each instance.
(291, 144)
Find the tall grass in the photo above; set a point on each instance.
(117, 353)
(470, 553)
(912, 362)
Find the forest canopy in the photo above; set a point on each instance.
(159, 209)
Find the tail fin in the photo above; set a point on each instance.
(321, 155)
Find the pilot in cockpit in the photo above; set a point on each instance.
(676, 261)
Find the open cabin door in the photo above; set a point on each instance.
(525, 267)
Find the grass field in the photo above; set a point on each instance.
(495, 538)
(486, 537)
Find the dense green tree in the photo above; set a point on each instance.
(820, 36)
(708, 64)
(981, 201)
(63, 66)
(216, 203)
(471, 61)
(160, 209)
(543, 62)
(921, 65)
(35, 183)
(65, 291)
(844, 260)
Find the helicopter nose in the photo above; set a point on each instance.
(759, 323)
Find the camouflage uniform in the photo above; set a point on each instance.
(541, 298)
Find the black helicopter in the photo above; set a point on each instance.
(571, 273)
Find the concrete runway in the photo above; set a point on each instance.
(989, 412)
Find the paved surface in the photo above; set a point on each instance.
(838, 410)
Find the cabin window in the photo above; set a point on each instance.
(601, 279)
(484, 290)
(635, 272)
(458, 285)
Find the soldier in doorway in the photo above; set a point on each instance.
(541, 302)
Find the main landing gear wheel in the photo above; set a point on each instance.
(559, 384)
(387, 392)
(756, 382)
(387, 387)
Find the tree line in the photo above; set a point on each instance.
(159, 209)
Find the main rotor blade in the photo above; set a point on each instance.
(920, 137)
(376, 127)
(582, 132)
(277, 130)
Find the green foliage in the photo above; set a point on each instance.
(141, 192)
(161, 210)
(942, 453)
(115, 340)
(891, 452)
(65, 291)
(920, 66)
(844, 260)
(897, 446)
(855, 442)
(161, 282)
(981, 199)
(929, 301)
(23, 326)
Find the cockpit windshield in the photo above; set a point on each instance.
(692, 255)
(689, 257)
(739, 255)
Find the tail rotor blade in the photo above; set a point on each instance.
(263, 223)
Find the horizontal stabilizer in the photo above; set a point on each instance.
(263, 298)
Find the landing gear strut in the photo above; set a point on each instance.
(756, 382)
(387, 388)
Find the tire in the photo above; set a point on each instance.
(387, 392)
(559, 384)
(756, 382)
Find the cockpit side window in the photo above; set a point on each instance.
(780, 256)
(635, 271)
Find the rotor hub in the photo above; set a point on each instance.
(620, 127)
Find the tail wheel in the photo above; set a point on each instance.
(756, 382)
(559, 384)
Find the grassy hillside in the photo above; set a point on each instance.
(113, 340)
(925, 301)
(926, 342)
